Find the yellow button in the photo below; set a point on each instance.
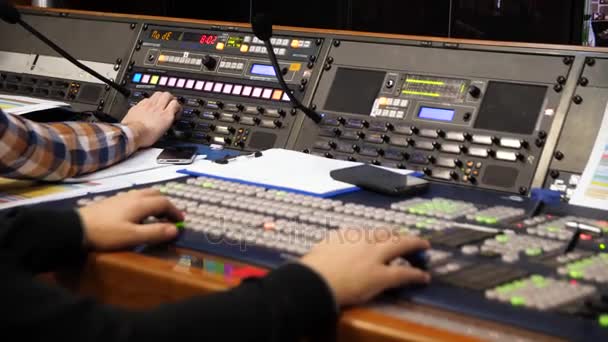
(154, 79)
(295, 44)
(295, 67)
(383, 101)
(162, 58)
(219, 46)
(244, 48)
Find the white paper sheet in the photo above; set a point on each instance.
(282, 169)
(592, 190)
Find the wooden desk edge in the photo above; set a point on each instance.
(139, 281)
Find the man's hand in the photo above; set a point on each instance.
(116, 222)
(357, 263)
(152, 117)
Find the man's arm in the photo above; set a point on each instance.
(31, 150)
(291, 302)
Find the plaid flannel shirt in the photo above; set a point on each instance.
(55, 151)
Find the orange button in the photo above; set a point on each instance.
(244, 48)
(382, 101)
(295, 44)
(219, 46)
(277, 94)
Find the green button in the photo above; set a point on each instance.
(539, 281)
(480, 219)
(281, 193)
(553, 229)
(576, 274)
(207, 185)
(532, 252)
(163, 190)
(491, 220)
(518, 301)
(603, 320)
(502, 238)
(180, 225)
(604, 256)
(505, 288)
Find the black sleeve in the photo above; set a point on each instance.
(290, 303)
(41, 240)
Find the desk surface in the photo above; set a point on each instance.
(136, 280)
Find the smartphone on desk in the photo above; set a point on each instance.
(380, 180)
(179, 155)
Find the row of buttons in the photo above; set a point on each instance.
(427, 133)
(180, 60)
(295, 43)
(208, 86)
(263, 50)
(232, 65)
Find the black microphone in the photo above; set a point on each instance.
(11, 15)
(262, 28)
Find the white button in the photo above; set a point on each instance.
(247, 91)
(171, 59)
(300, 43)
(267, 93)
(307, 43)
(455, 136)
(181, 60)
(232, 65)
(276, 50)
(386, 112)
(400, 114)
(208, 86)
(285, 42)
(218, 87)
(198, 61)
(222, 64)
(504, 155)
(227, 89)
(237, 90)
(511, 143)
(240, 66)
(256, 40)
(188, 60)
(405, 103)
(392, 113)
(263, 50)
(391, 101)
(247, 39)
(257, 92)
(482, 139)
(478, 152)
(282, 51)
(376, 112)
(273, 41)
(199, 85)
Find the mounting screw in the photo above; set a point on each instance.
(118, 60)
(330, 60)
(523, 190)
(559, 155)
(554, 174)
(584, 81)
(319, 41)
(558, 88)
(327, 67)
(568, 60)
(590, 61)
(577, 99)
(336, 43)
(145, 27)
(561, 79)
(133, 26)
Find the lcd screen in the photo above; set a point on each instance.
(438, 114)
(262, 70)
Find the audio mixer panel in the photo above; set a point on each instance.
(30, 68)
(226, 83)
(465, 117)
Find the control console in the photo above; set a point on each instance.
(460, 116)
(225, 82)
